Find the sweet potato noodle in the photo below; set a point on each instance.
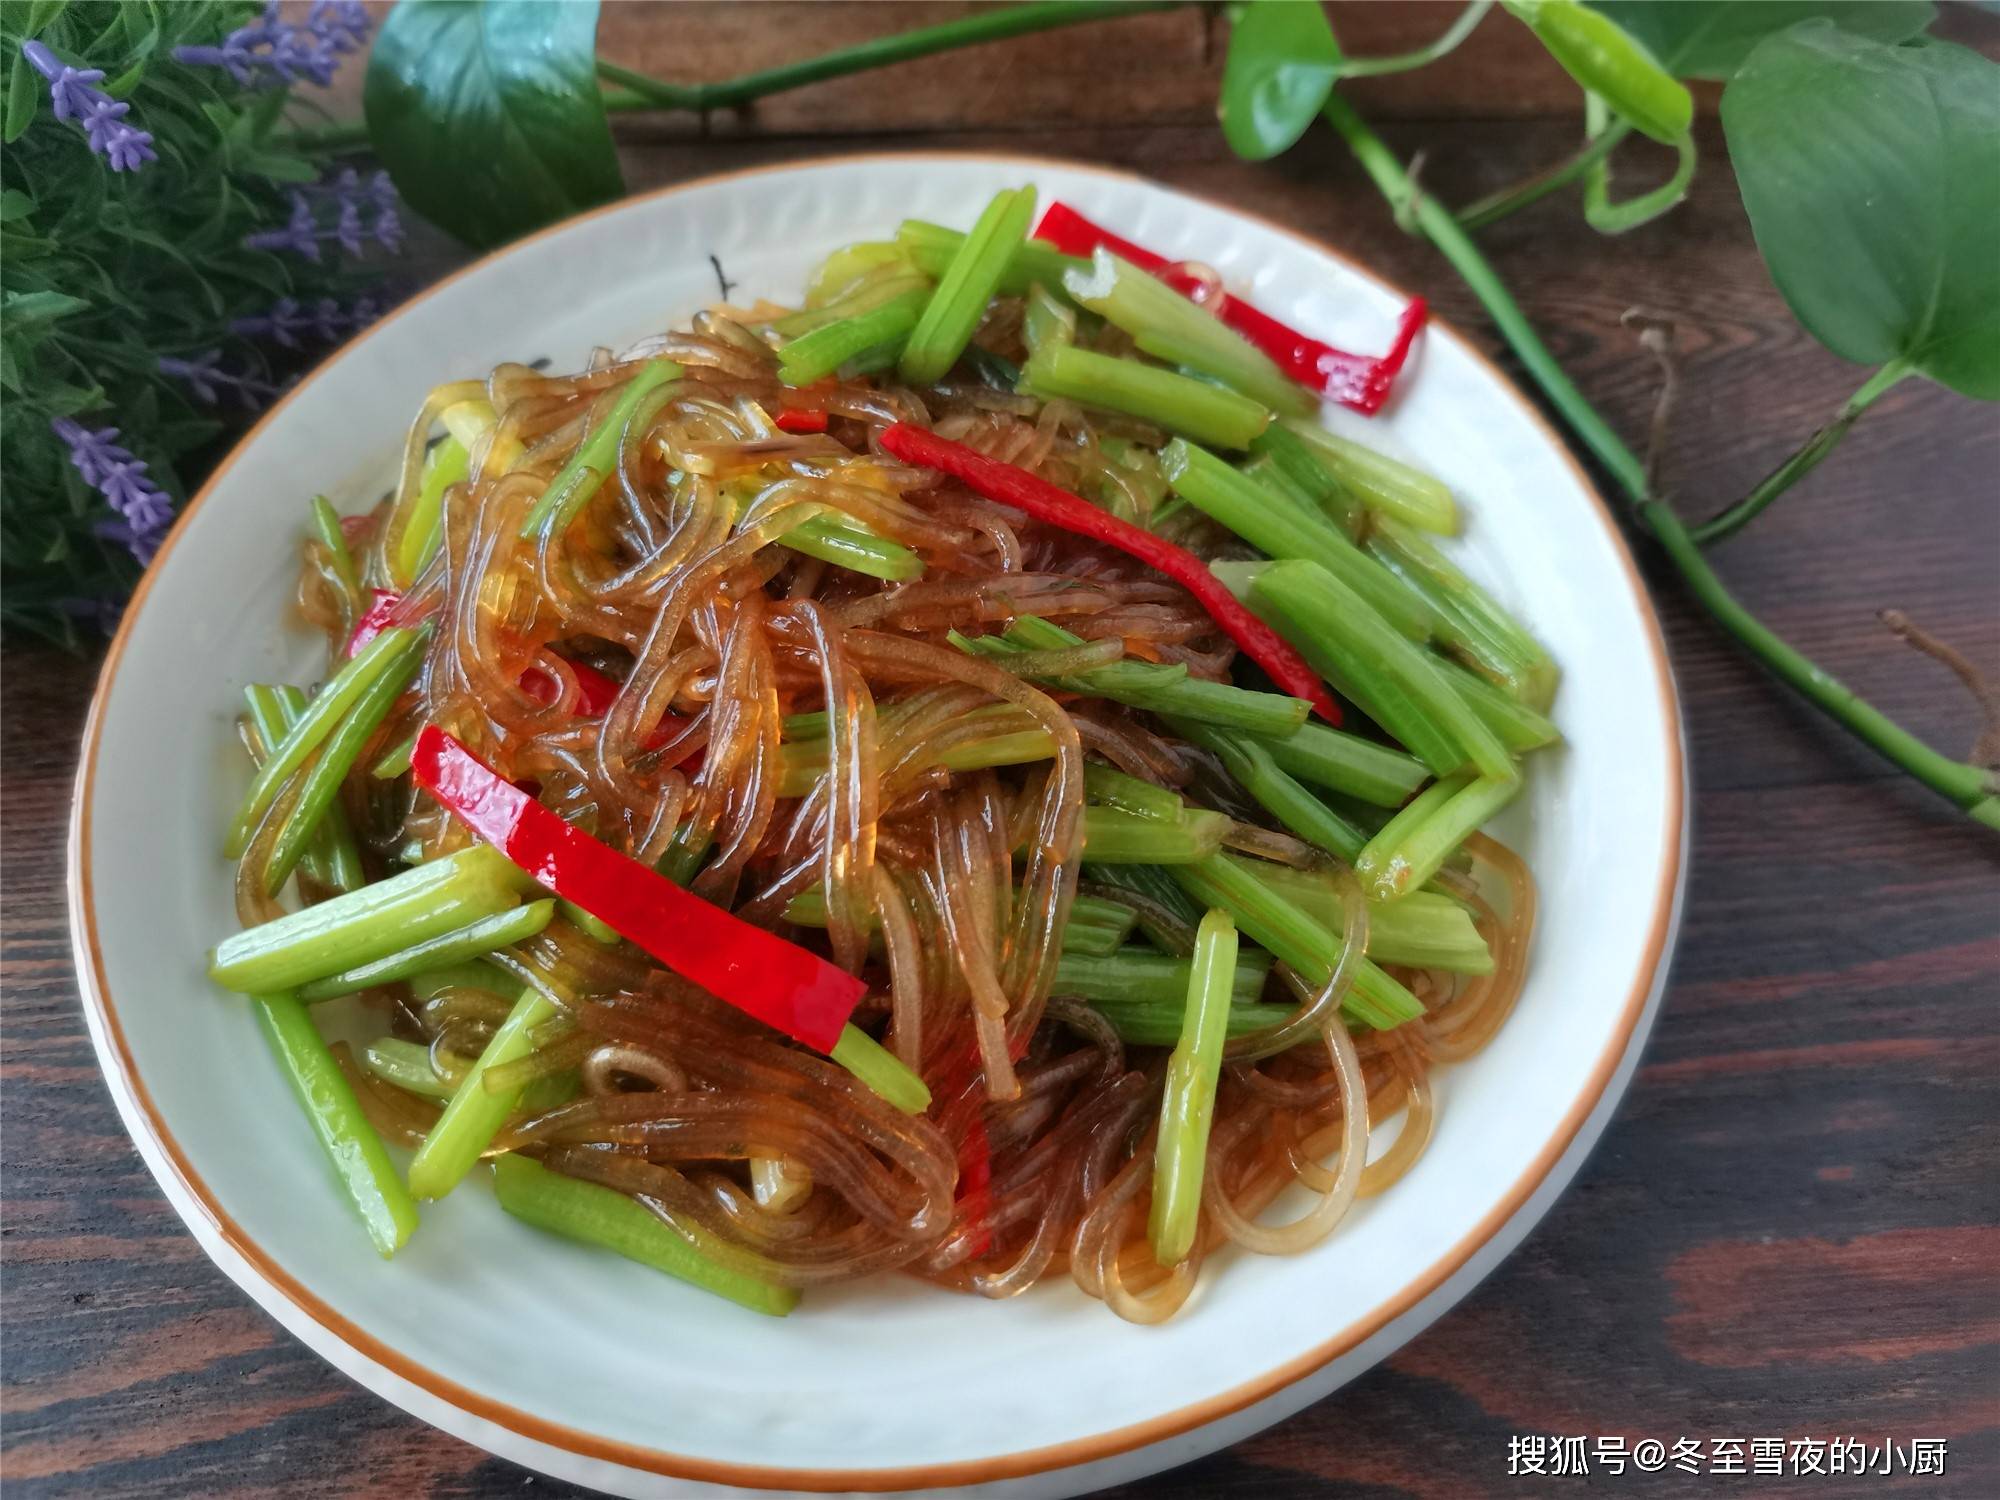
(949, 891)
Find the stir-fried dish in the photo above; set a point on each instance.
(964, 776)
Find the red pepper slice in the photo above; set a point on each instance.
(375, 619)
(1014, 486)
(798, 419)
(758, 972)
(1360, 381)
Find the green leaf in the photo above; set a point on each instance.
(24, 95)
(1869, 172)
(15, 204)
(41, 13)
(1710, 38)
(1282, 64)
(488, 116)
(29, 308)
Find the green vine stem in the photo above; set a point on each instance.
(1607, 217)
(640, 91)
(1496, 206)
(1406, 62)
(1968, 786)
(1803, 462)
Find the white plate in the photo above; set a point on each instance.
(602, 1372)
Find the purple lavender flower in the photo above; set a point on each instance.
(300, 234)
(283, 323)
(271, 51)
(74, 93)
(208, 380)
(347, 228)
(388, 231)
(144, 509)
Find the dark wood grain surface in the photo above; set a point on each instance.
(1791, 1229)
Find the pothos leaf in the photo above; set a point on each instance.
(488, 116)
(1710, 38)
(1869, 172)
(1282, 64)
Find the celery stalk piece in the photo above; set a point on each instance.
(595, 928)
(849, 544)
(475, 1114)
(1170, 327)
(1281, 530)
(966, 286)
(469, 974)
(1296, 937)
(1187, 1107)
(1424, 929)
(1047, 320)
(321, 789)
(358, 1156)
(396, 759)
(1160, 1025)
(1385, 485)
(1347, 763)
(1112, 787)
(1111, 837)
(863, 297)
(803, 762)
(444, 466)
(1517, 726)
(881, 1070)
(1204, 412)
(1396, 683)
(861, 263)
(816, 355)
(467, 942)
(1296, 469)
(373, 922)
(331, 858)
(1276, 792)
(601, 1216)
(326, 526)
(319, 720)
(1414, 846)
(1470, 622)
(1140, 978)
(1155, 686)
(932, 246)
(596, 456)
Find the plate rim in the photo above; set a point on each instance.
(259, 1266)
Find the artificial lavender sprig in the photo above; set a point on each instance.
(144, 509)
(75, 95)
(208, 380)
(271, 51)
(302, 231)
(287, 321)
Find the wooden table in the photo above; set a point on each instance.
(1792, 1227)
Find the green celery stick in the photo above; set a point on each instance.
(932, 247)
(1207, 413)
(321, 791)
(1376, 999)
(356, 1152)
(1348, 764)
(1111, 837)
(601, 1216)
(849, 544)
(1276, 527)
(497, 931)
(966, 286)
(1112, 787)
(881, 1070)
(318, 721)
(1424, 929)
(1470, 622)
(1187, 1106)
(1046, 320)
(326, 526)
(373, 922)
(1516, 725)
(475, 1114)
(1160, 1025)
(1386, 486)
(407, 1065)
(1289, 465)
(444, 466)
(1170, 327)
(332, 858)
(816, 355)
(1414, 846)
(1276, 792)
(1140, 978)
(596, 456)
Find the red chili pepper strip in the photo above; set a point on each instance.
(758, 972)
(797, 419)
(595, 692)
(1360, 381)
(378, 617)
(1014, 486)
